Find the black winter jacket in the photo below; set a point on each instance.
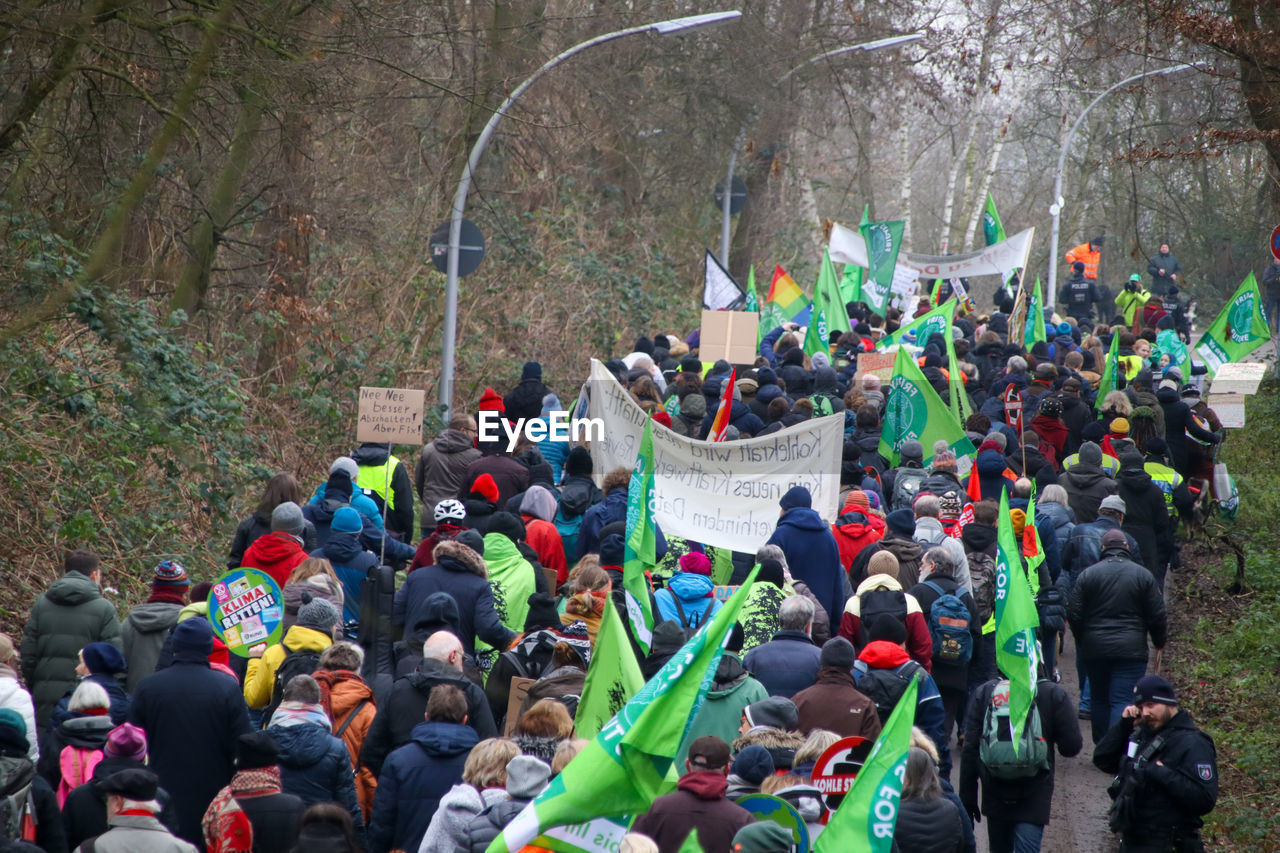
(1177, 423)
(1021, 800)
(929, 826)
(952, 675)
(1114, 606)
(461, 573)
(1146, 516)
(1086, 486)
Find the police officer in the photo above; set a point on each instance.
(1079, 294)
(1167, 773)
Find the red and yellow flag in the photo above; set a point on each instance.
(721, 422)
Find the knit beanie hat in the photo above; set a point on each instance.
(508, 525)
(857, 499)
(1153, 688)
(346, 465)
(838, 652)
(695, 563)
(126, 741)
(611, 550)
(317, 613)
(796, 496)
(763, 836)
(346, 520)
(771, 572)
(170, 573)
(103, 659)
(542, 613)
(912, 451)
(663, 418)
(901, 521)
(531, 370)
(883, 563)
(579, 463)
(944, 458)
(694, 405)
(194, 635)
(288, 518)
(1091, 453)
(1120, 426)
(472, 539)
(13, 732)
(776, 712)
(340, 486)
(753, 764)
(486, 487)
(256, 750)
(491, 401)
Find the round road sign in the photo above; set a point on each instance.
(470, 247)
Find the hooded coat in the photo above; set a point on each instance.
(458, 807)
(400, 519)
(277, 554)
(813, 557)
(413, 780)
(15, 697)
(525, 400)
(697, 599)
(69, 616)
(854, 531)
(441, 468)
(908, 552)
(1177, 423)
(698, 802)
(930, 716)
(1086, 486)
(741, 418)
(81, 732)
(732, 690)
(1146, 515)
(460, 572)
(834, 703)
(142, 635)
(351, 563)
(260, 679)
(348, 694)
(919, 641)
(255, 527)
(315, 766)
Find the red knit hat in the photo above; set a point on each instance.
(857, 499)
(491, 401)
(486, 487)
(663, 418)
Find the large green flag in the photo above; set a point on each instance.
(827, 298)
(753, 304)
(817, 336)
(866, 817)
(1110, 369)
(1168, 343)
(1034, 330)
(1239, 329)
(959, 398)
(612, 678)
(640, 552)
(992, 227)
(851, 283)
(1016, 623)
(884, 241)
(913, 410)
(936, 321)
(630, 762)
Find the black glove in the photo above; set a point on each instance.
(975, 813)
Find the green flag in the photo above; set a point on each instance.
(827, 298)
(612, 678)
(1168, 343)
(1110, 369)
(1016, 623)
(936, 321)
(913, 410)
(753, 304)
(816, 337)
(959, 398)
(884, 241)
(851, 283)
(866, 817)
(630, 762)
(1034, 330)
(992, 227)
(640, 552)
(1032, 552)
(1239, 329)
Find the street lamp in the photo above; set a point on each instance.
(1055, 209)
(675, 26)
(891, 41)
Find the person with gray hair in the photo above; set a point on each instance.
(930, 532)
(404, 706)
(790, 661)
(940, 587)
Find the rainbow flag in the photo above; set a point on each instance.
(788, 297)
(721, 421)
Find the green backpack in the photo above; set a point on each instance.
(996, 748)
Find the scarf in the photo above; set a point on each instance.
(168, 595)
(300, 713)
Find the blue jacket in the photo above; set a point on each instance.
(741, 418)
(352, 563)
(612, 508)
(1084, 548)
(462, 574)
(316, 767)
(812, 557)
(786, 664)
(321, 517)
(413, 780)
(696, 598)
(360, 502)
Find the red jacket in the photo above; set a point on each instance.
(277, 554)
(919, 641)
(853, 532)
(1053, 431)
(543, 537)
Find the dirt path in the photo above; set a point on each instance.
(1078, 820)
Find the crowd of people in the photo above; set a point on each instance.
(143, 733)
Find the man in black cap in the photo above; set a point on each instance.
(697, 803)
(1166, 772)
(1114, 606)
(131, 814)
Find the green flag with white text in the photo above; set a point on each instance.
(630, 762)
(913, 410)
(1239, 329)
(992, 227)
(936, 321)
(1110, 370)
(851, 283)
(884, 241)
(1016, 623)
(640, 552)
(1168, 343)
(827, 298)
(816, 337)
(866, 817)
(613, 676)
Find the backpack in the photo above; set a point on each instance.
(76, 764)
(949, 628)
(885, 687)
(689, 628)
(906, 485)
(996, 747)
(822, 405)
(295, 663)
(568, 529)
(17, 810)
(982, 574)
(874, 602)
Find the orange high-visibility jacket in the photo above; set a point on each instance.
(1089, 258)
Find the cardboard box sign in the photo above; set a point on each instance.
(728, 335)
(390, 415)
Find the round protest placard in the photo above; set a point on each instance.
(778, 810)
(835, 769)
(246, 608)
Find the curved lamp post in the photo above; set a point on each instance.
(892, 41)
(675, 26)
(1055, 209)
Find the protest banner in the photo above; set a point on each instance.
(245, 609)
(723, 494)
(847, 247)
(390, 415)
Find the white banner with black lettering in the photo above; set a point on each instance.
(723, 494)
(847, 246)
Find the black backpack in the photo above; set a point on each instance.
(874, 602)
(685, 626)
(885, 687)
(295, 663)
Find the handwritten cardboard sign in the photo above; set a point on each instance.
(730, 335)
(390, 415)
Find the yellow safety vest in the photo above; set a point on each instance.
(375, 478)
(1166, 478)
